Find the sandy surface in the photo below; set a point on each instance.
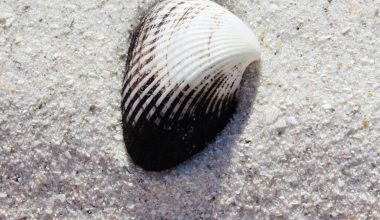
(304, 145)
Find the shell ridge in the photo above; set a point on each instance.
(216, 62)
(146, 32)
(227, 91)
(219, 94)
(195, 104)
(211, 89)
(132, 48)
(199, 91)
(209, 98)
(183, 106)
(236, 71)
(208, 78)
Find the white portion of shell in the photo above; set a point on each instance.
(186, 51)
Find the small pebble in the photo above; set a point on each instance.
(280, 125)
(365, 123)
(118, 137)
(325, 38)
(327, 106)
(70, 82)
(271, 115)
(292, 120)
(346, 30)
(3, 195)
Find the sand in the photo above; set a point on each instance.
(305, 143)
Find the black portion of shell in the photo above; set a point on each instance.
(157, 148)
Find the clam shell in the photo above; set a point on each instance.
(183, 71)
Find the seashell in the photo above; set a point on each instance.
(183, 72)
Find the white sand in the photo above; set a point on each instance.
(306, 145)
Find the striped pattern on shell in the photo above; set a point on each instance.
(183, 71)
